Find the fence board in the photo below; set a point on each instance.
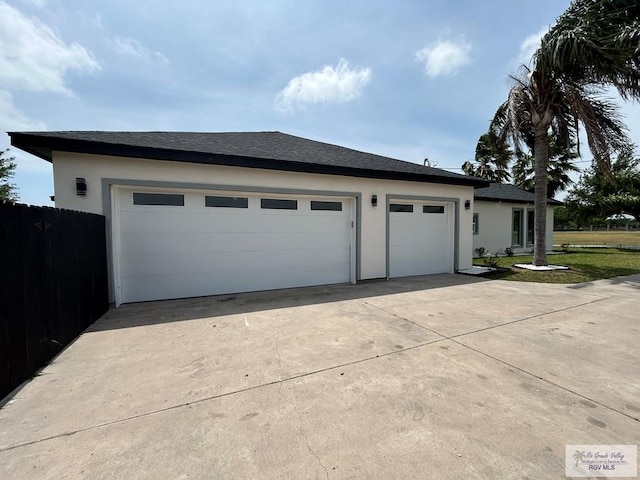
(53, 279)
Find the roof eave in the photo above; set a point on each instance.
(44, 147)
(39, 149)
(550, 201)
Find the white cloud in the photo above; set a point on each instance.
(330, 84)
(33, 57)
(530, 45)
(444, 57)
(13, 118)
(37, 3)
(133, 48)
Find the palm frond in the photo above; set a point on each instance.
(492, 159)
(595, 41)
(600, 117)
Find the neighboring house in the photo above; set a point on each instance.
(192, 214)
(503, 216)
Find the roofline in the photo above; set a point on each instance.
(550, 201)
(43, 147)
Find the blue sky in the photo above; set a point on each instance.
(406, 79)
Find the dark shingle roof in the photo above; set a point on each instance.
(271, 150)
(505, 192)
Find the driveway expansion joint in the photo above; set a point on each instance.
(454, 338)
(278, 382)
(545, 380)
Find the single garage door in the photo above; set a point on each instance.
(420, 238)
(176, 244)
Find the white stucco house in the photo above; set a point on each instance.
(503, 216)
(193, 214)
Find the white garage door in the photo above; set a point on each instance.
(420, 238)
(175, 244)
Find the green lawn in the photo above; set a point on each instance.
(597, 238)
(586, 265)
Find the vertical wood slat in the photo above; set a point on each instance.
(53, 280)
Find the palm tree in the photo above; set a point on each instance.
(560, 167)
(540, 104)
(594, 44)
(492, 158)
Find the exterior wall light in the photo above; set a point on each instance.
(467, 204)
(374, 200)
(81, 187)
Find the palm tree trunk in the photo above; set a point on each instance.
(541, 159)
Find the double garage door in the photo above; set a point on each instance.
(177, 244)
(174, 244)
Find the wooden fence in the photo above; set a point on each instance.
(53, 284)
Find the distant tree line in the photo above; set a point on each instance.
(599, 198)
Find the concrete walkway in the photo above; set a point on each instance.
(446, 376)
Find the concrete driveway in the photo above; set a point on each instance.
(443, 376)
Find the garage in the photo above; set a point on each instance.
(203, 213)
(182, 243)
(421, 237)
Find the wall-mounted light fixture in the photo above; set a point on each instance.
(467, 204)
(374, 200)
(81, 187)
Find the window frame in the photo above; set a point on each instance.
(474, 224)
(280, 204)
(244, 204)
(157, 195)
(440, 208)
(401, 207)
(325, 203)
(520, 228)
(531, 227)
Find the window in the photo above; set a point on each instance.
(399, 207)
(226, 202)
(516, 227)
(433, 209)
(530, 227)
(165, 199)
(475, 223)
(333, 206)
(274, 204)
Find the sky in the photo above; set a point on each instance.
(405, 79)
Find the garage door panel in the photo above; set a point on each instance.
(174, 252)
(177, 243)
(145, 265)
(159, 287)
(420, 243)
(203, 222)
(419, 261)
(428, 241)
(419, 223)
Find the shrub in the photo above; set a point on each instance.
(480, 252)
(508, 252)
(491, 260)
